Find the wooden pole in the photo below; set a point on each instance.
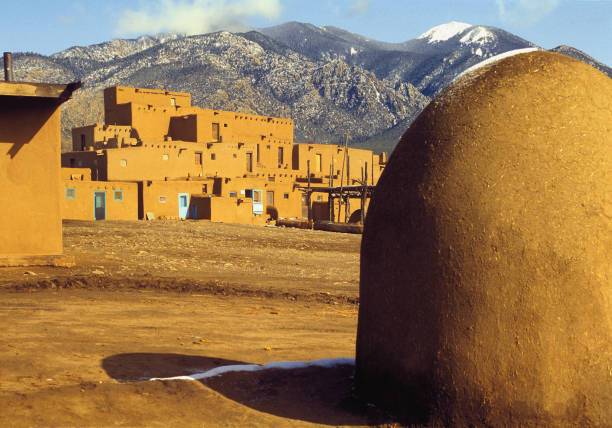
(8, 67)
(308, 194)
(364, 180)
(330, 197)
(372, 168)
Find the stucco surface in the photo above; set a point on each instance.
(30, 222)
(486, 278)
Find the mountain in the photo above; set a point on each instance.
(429, 62)
(330, 81)
(575, 53)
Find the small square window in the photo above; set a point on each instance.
(70, 193)
(271, 179)
(172, 101)
(286, 195)
(213, 156)
(164, 156)
(123, 162)
(162, 199)
(235, 155)
(118, 195)
(233, 194)
(248, 193)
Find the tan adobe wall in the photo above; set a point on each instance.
(228, 210)
(76, 174)
(30, 221)
(117, 95)
(78, 199)
(161, 198)
(101, 136)
(95, 161)
(280, 195)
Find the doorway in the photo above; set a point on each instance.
(183, 204)
(100, 205)
(249, 162)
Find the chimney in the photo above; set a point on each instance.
(8, 67)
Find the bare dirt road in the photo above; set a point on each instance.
(162, 299)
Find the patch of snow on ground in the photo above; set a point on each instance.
(285, 365)
(444, 32)
(354, 51)
(495, 59)
(478, 35)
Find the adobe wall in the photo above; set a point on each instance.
(116, 95)
(95, 161)
(81, 174)
(161, 198)
(78, 204)
(30, 220)
(101, 136)
(228, 210)
(282, 192)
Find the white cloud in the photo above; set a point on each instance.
(360, 7)
(525, 12)
(194, 16)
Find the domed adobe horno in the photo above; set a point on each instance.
(486, 262)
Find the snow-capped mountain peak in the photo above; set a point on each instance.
(444, 32)
(477, 36)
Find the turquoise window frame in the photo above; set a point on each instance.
(115, 195)
(73, 193)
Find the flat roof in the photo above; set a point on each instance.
(38, 90)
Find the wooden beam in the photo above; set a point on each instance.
(38, 90)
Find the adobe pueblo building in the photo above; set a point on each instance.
(30, 216)
(486, 268)
(169, 159)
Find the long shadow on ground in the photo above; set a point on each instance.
(313, 394)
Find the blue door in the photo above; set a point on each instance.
(100, 205)
(183, 204)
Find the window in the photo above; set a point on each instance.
(318, 163)
(258, 154)
(198, 158)
(172, 101)
(248, 193)
(70, 193)
(215, 132)
(280, 156)
(162, 199)
(118, 195)
(213, 156)
(286, 195)
(123, 162)
(165, 157)
(271, 179)
(257, 196)
(233, 194)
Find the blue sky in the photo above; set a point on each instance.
(45, 26)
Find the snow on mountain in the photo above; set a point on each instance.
(495, 58)
(444, 32)
(477, 36)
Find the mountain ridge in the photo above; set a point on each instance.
(329, 80)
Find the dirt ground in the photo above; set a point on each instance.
(162, 299)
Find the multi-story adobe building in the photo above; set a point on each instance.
(191, 162)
